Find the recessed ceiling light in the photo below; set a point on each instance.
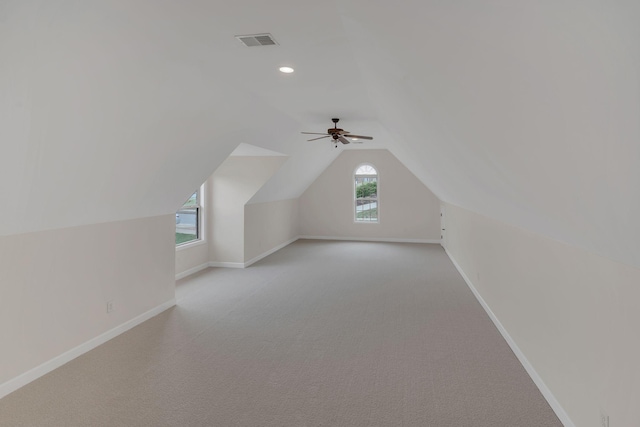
(286, 70)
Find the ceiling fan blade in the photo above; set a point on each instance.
(313, 133)
(359, 136)
(343, 139)
(322, 137)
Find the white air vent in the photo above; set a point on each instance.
(257, 40)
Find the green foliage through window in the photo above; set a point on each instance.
(368, 189)
(184, 238)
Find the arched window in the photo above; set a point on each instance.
(366, 194)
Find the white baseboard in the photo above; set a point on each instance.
(270, 251)
(191, 271)
(251, 261)
(553, 402)
(226, 264)
(35, 373)
(372, 239)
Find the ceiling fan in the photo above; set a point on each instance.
(338, 134)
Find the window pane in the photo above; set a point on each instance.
(366, 210)
(366, 187)
(193, 201)
(366, 170)
(188, 219)
(186, 225)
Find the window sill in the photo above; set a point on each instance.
(190, 245)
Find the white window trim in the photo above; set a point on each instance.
(190, 244)
(353, 191)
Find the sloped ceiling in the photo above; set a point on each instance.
(527, 112)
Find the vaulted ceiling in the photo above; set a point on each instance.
(526, 112)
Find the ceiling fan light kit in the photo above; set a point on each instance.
(338, 134)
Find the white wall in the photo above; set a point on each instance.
(527, 112)
(407, 209)
(574, 314)
(234, 232)
(269, 225)
(54, 285)
(191, 257)
(266, 226)
(232, 185)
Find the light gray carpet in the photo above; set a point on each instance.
(317, 334)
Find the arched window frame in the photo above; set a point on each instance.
(359, 215)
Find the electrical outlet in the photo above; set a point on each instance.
(109, 306)
(604, 419)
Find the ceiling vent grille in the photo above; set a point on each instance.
(257, 40)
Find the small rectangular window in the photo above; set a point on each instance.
(188, 228)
